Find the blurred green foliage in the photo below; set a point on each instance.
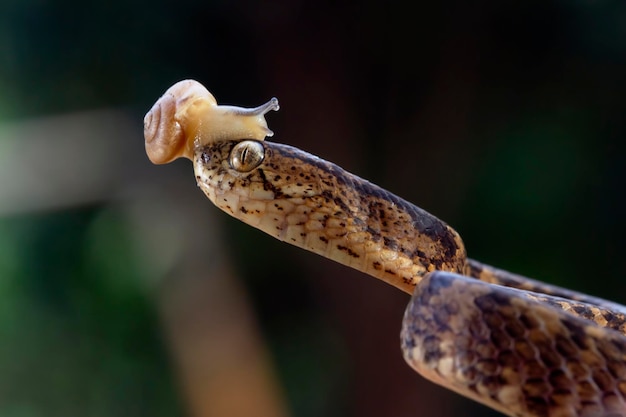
(79, 333)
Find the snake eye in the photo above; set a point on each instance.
(247, 155)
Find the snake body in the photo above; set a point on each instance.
(551, 352)
(517, 345)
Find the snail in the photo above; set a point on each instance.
(187, 116)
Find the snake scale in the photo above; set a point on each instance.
(517, 345)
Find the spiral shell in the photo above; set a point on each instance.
(188, 116)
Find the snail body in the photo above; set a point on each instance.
(187, 116)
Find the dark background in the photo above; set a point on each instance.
(506, 119)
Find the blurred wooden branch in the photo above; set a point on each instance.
(97, 157)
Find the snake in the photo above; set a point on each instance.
(517, 345)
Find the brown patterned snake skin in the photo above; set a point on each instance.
(519, 346)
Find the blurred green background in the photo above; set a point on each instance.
(124, 292)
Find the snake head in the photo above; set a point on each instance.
(187, 116)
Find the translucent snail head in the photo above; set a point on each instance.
(187, 116)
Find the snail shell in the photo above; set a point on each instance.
(187, 116)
